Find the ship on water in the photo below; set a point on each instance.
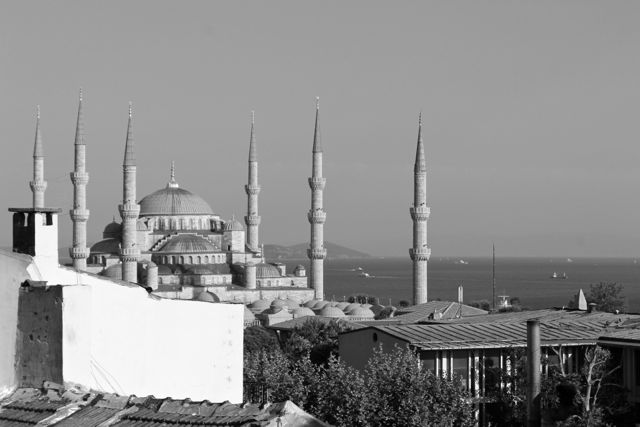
(557, 276)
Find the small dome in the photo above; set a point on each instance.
(188, 243)
(302, 312)
(207, 297)
(342, 305)
(151, 264)
(279, 303)
(333, 303)
(141, 226)
(113, 271)
(331, 312)
(311, 303)
(261, 303)
(264, 270)
(173, 201)
(367, 305)
(107, 246)
(362, 312)
(233, 225)
(112, 230)
(351, 307)
(320, 305)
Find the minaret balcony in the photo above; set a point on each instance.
(129, 254)
(79, 215)
(79, 178)
(317, 216)
(317, 253)
(420, 213)
(420, 254)
(129, 210)
(252, 189)
(79, 253)
(252, 220)
(38, 185)
(317, 183)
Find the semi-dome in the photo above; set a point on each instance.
(291, 303)
(106, 246)
(311, 303)
(199, 270)
(112, 230)
(279, 303)
(329, 311)
(264, 270)
(320, 305)
(233, 225)
(186, 243)
(248, 315)
(174, 200)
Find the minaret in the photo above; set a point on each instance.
(252, 219)
(317, 216)
(129, 209)
(420, 253)
(79, 214)
(38, 185)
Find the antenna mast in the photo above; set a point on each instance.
(494, 277)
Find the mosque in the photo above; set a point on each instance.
(173, 243)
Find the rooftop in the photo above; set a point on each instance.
(55, 406)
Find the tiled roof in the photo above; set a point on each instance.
(79, 409)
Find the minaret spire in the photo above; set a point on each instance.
(252, 219)
(129, 209)
(79, 214)
(317, 216)
(420, 252)
(38, 185)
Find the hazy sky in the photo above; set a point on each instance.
(531, 110)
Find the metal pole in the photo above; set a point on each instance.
(493, 300)
(533, 373)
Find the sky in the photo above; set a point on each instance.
(531, 115)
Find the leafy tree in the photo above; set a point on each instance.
(509, 406)
(607, 296)
(385, 313)
(404, 303)
(257, 338)
(315, 339)
(341, 397)
(405, 394)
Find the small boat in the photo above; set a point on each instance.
(366, 275)
(462, 262)
(557, 276)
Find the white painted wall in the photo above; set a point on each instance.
(117, 338)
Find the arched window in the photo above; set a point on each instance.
(198, 260)
(190, 259)
(181, 260)
(206, 259)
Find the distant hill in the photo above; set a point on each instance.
(300, 251)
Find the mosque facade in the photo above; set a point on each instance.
(172, 242)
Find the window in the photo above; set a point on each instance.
(375, 337)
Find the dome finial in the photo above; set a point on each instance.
(172, 180)
(80, 94)
(130, 109)
(38, 112)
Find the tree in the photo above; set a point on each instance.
(257, 338)
(315, 339)
(403, 393)
(587, 398)
(607, 296)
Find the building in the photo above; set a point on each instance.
(173, 241)
(474, 348)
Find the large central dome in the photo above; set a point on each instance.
(174, 200)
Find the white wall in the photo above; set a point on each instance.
(117, 338)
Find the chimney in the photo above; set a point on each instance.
(592, 307)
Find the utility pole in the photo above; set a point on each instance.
(494, 277)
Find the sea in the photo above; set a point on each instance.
(529, 279)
